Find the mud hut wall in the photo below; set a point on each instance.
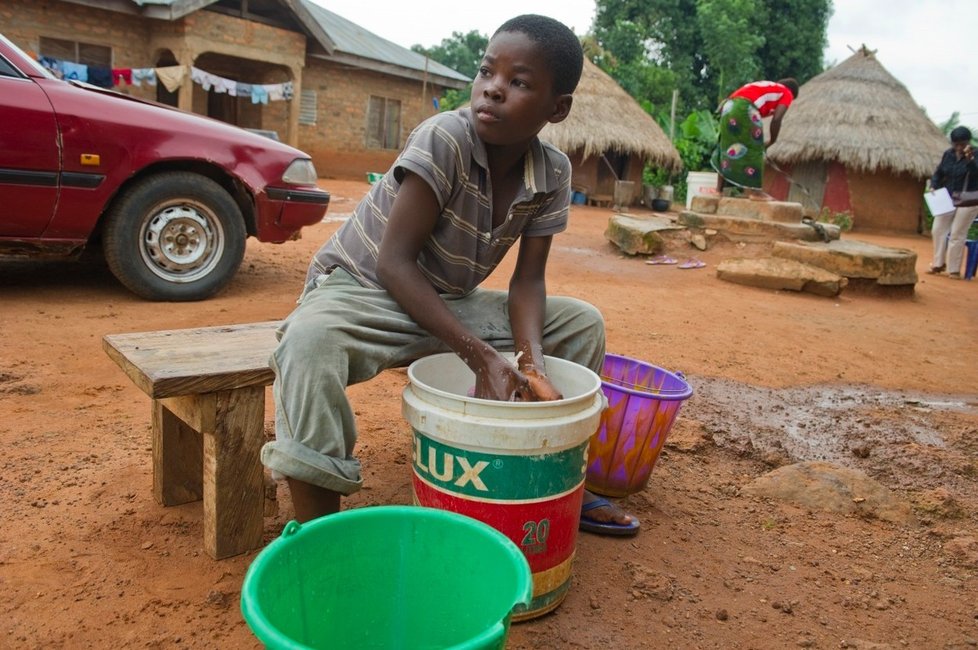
(883, 201)
(837, 196)
(592, 176)
(775, 183)
(584, 172)
(337, 142)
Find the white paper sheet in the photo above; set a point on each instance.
(939, 201)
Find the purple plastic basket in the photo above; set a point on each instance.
(643, 401)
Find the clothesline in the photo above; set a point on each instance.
(172, 77)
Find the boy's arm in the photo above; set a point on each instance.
(409, 225)
(527, 305)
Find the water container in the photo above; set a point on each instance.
(700, 183)
(643, 401)
(386, 577)
(517, 466)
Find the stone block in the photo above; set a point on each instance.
(854, 259)
(779, 211)
(704, 203)
(781, 274)
(639, 235)
(740, 229)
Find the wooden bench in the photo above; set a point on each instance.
(208, 416)
(600, 200)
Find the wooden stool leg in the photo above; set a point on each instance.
(177, 458)
(233, 476)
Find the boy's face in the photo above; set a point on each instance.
(512, 95)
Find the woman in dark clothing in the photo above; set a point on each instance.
(958, 172)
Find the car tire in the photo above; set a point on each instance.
(175, 236)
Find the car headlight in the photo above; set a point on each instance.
(300, 172)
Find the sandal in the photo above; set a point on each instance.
(606, 527)
(661, 259)
(692, 263)
(934, 270)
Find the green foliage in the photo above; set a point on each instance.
(709, 46)
(658, 34)
(951, 123)
(462, 53)
(730, 41)
(695, 139)
(841, 219)
(795, 38)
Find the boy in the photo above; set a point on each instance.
(398, 281)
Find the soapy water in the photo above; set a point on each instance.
(910, 439)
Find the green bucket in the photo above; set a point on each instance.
(386, 577)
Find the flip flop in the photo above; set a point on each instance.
(692, 263)
(606, 527)
(661, 259)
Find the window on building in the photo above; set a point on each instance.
(84, 53)
(307, 107)
(383, 123)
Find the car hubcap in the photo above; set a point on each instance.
(181, 242)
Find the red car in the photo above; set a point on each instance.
(170, 196)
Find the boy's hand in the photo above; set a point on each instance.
(538, 387)
(500, 380)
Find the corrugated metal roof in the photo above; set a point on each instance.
(350, 38)
(343, 37)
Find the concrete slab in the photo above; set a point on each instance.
(640, 235)
(745, 229)
(779, 211)
(781, 274)
(855, 259)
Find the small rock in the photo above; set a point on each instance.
(861, 451)
(722, 615)
(146, 546)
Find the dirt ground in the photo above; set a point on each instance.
(884, 385)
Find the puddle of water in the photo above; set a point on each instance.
(886, 432)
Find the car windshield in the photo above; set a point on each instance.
(36, 68)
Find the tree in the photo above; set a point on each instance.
(730, 41)
(795, 38)
(659, 34)
(462, 53)
(712, 46)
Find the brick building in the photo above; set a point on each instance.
(355, 95)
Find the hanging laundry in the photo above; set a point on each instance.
(258, 94)
(72, 70)
(139, 75)
(53, 66)
(100, 75)
(275, 92)
(172, 76)
(120, 75)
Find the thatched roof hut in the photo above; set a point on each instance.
(606, 122)
(857, 142)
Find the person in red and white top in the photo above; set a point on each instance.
(739, 157)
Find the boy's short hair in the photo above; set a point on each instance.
(558, 44)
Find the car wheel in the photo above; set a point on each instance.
(174, 236)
